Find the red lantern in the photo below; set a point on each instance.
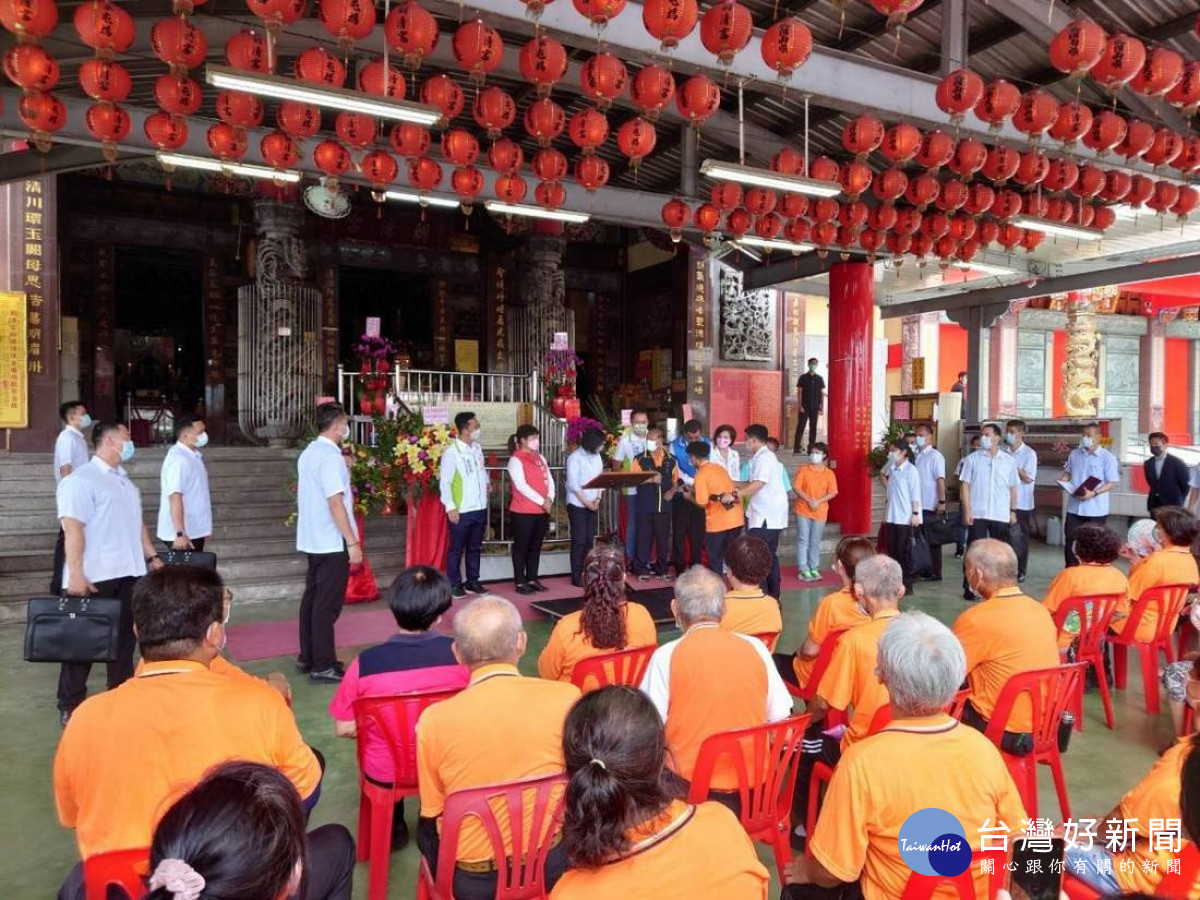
(962, 228)
(908, 220)
(698, 98)
(823, 169)
(588, 129)
(862, 135)
(958, 92)
(999, 101)
(279, 150)
(980, 198)
(969, 157)
(1059, 210)
(423, 173)
(1159, 73)
(825, 209)
(952, 196)
(165, 131)
(545, 121)
(968, 250)
(1006, 205)
(922, 190)
(652, 90)
(1166, 147)
(226, 142)
(1139, 136)
(854, 177)
(277, 13)
(1032, 169)
(854, 215)
(897, 11)
(247, 50)
(1186, 94)
(935, 225)
(494, 110)
(788, 162)
(178, 96)
(356, 129)
(101, 79)
(786, 46)
(316, 65)
(409, 139)
(43, 114)
(105, 27)
(1189, 197)
(602, 78)
(922, 245)
(599, 12)
(543, 62)
(380, 169)
(738, 222)
(1108, 129)
(374, 79)
(1123, 57)
(760, 201)
(796, 231)
(109, 124)
(550, 165)
(331, 158)
(178, 43)
(937, 149)
(591, 171)
(1116, 186)
(31, 68)
(676, 215)
(1164, 197)
(1090, 182)
(882, 218)
(1011, 236)
(726, 195)
(1061, 175)
(1036, 112)
(636, 139)
(442, 92)
(1103, 218)
(768, 227)
(1077, 48)
(669, 21)
(458, 146)
(467, 182)
(725, 30)
(347, 20)
(824, 234)
(550, 194)
(29, 19)
(988, 231)
(1141, 189)
(898, 244)
(1188, 161)
(510, 188)
(505, 156)
(1035, 205)
(707, 218)
(890, 185)
(1001, 164)
(945, 248)
(240, 109)
(300, 120)
(478, 49)
(901, 143)
(412, 31)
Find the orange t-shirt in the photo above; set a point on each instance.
(700, 851)
(1156, 796)
(851, 680)
(813, 481)
(1170, 565)
(836, 612)
(568, 645)
(501, 727)
(752, 612)
(1004, 636)
(942, 764)
(127, 754)
(710, 482)
(1083, 580)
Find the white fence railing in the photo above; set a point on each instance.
(499, 527)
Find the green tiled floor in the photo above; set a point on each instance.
(1100, 765)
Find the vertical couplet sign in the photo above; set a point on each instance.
(441, 324)
(330, 351)
(499, 320)
(699, 325)
(793, 311)
(214, 321)
(14, 361)
(105, 312)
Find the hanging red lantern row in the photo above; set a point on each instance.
(43, 114)
(374, 78)
(1123, 57)
(1159, 73)
(652, 91)
(247, 51)
(467, 183)
(726, 195)
(1166, 146)
(104, 79)
(889, 186)
(1036, 112)
(549, 165)
(1139, 136)
(603, 78)
(356, 129)
(510, 188)
(588, 129)
(636, 139)
(549, 194)
(697, 99)
(592, 172)
(738, 222)
(102, 25)
(1188, 199)
(543, 62)
(347, 21)
(786, 46)
(459, 146)
(478, 49)
(109, 124)
(998, 102)
(316, 65)
(788, 162)
(443, 93)
(969, 157)
(669, 21)
(707, 218)
(862, 135)
(1073, 121)
(165, 131)
(901, 143)
(545, 120)
(178, 43)
(959, 92)
(506, 156)
(1186, 94)
(226, 142)
(725, 30)
(1077, 48)
(922, 190)
(1001, 164)
(177, 95)
(854, 178)
(937, 148)
(29, 20)
(1107, 131)
(494, 110)
(423, 173)
(676, 215)
(31, 68)
(239, 109)
(599, 12)
(299, 120)
(951, 196)
(412, 31)
(760, 201)
(410, 140)
(332, 159)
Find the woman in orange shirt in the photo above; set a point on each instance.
(1176, 531)
(815, 485)
(748, 609)
(1096, 548)
(627, 830)
(607, 622)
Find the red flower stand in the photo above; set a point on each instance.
(427, 531)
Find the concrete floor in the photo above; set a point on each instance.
(1100, 766)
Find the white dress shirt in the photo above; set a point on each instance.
(992, 478)
(322, 474)
(732, 465)
(70, 449)
(1027, 461)
(656, 683)
(903, 492)
(516, 472)
(769, 505)
(183, 472)
(109, 505)
(931, 466)
(462, 469)
(629, 448)
(1083, 464)
(582, 467)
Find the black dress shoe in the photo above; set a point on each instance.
(525, 588)
(475, 587)
(64, 716)
(459, 591)
(332, 675)
(399, 834)
(538, 586)
(302, 667)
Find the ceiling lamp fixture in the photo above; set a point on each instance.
(421, 199)
(772, 244)
(204, 164)
(536, 212)
(986, 268)
(1069, 231)
(282, 88)
(796, 184)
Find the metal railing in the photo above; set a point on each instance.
(559, 535)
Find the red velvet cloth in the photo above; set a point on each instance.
(361, 586)
(427, 531)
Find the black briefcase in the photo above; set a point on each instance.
(72, 629)
(201, 558)
(942, 528)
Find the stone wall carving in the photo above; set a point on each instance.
(1081, 386)
(747, 320)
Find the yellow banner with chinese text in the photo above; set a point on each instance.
(14, 361)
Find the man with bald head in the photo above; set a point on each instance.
(502, 727)
(1005, 634)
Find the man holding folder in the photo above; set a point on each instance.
(1091, 472)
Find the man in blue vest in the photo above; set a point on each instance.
(687, 519)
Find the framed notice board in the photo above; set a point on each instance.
(740, 397)
(14, 361)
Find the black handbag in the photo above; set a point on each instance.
(920, 559)
(1018, 538)
(942, 528)
(72, 629)
(201, 558)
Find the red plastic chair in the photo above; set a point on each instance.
(809, 690)
(1095, 614)
(766, 759)
(623, 667)
(923, 887)
(124, 869)
(769, 638)
(1050, 692)
(520, 856)
(1167, 600)
(1182, 886)
(1076, 889)
(394, 719)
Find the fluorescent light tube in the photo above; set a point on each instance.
(203, 163)
(795, 184)
(987, 268)
(536, 212)
(775, 245)
(1070, 231)
(423, 199)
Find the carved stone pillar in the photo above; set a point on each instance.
(543, 290)
(1152, 386)
(1002, 398)
(1081, 385)
(910, 349)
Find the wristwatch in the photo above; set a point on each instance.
(179, 534)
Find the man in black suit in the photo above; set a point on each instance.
(1167, 475)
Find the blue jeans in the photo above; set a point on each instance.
(1102, 880)
(466, 536)
(808, 543)
(630, 527)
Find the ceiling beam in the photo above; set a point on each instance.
(977, 42)
(955, 36)
(61, 159)
(1169, 30)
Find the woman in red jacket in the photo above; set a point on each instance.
(532, 497)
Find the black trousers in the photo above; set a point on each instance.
(466, 537)
(935, 550)
(329, 869)
(985, 528)
(818, 747)
(60, 559)
(771, 537)
(715, 543)
(529, 530)
(850, 891)
(898, 537)
(72, 677)
(687, 533)
(1025, 524)
(197, 544)
(324, 595)
(481, 885)
(583, 523)
(809, 419)
(653, 528)
(1072, 525)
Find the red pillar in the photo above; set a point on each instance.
(851, 333)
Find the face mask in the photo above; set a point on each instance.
(812, 367)
(85, 421)
(640, 430)
(816, 457)
(724, 441)
(974, 589)
(1157, 451)
(896, 456)
(985, 442)
(533, 444)
(127, 450)
(1086, 442)
(1010, 438)
(920, 440)
(651, 446)
(346, 433)
(202, 440)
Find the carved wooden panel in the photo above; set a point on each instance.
(747, 320)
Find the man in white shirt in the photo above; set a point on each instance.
(107, 549)
(583, 465)
(464, 485)
(767, 513)
(70, 452)
(1027, 462)
(1087, 461)
(631, 445)
(931, 467)
(326, 532)
(989, 492)
(184, 505)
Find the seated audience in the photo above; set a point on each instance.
(608, 621)
(923, 759)
(710, 680)
(1005, 635)
(748, 609)
(1140, 866)
(836, 612)
(1096, 548)
(1176, 530)
(125, 752)
(628, 832)
(239, 835)
(502, 727)
(413, 660)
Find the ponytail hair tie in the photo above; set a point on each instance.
(598, 762)
(176, 876)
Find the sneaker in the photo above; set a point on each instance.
(458, 591)
(538, 586)
(643, 578)
(525, 589)
(64, 716)
(332, 675)
(811, 575)
(475, 587)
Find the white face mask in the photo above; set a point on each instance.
(346, 432)
(724, 441)
(816, 457)
(533, 444)
(920, 442)
(84, 421)
(640, 428)
(651, 445)
(202, 439)
(1086, 441)
(985, 442)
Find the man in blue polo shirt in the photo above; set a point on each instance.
(687, 519)
(1088, 461)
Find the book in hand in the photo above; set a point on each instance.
(1089, 484)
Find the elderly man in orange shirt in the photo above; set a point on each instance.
(922, 759)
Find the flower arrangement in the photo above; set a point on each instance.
(560, 370)
(372, 488)
(418, 455)
(375, 366)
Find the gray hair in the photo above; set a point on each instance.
(881, 578)
(700, 596)
(488, 629)
(994, 560)
(921, 662)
